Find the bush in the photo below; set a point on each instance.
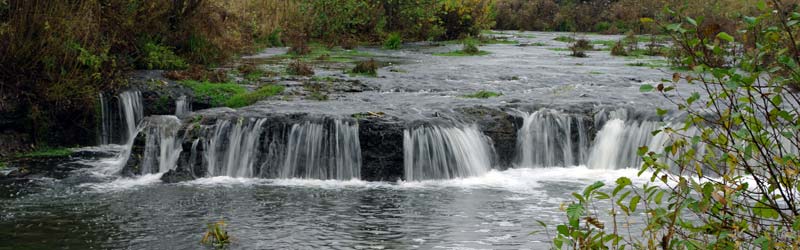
(726, 177)
(393, 41)
(216, 236)
(470, 46)
(369, 67)
(247, 99)
(299, 68)
(618, 49)
(156, 56)
(579, 48)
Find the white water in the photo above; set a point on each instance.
(433, 152)
(318, 151)
(618, 142)
(182, 107)
(163, 147)
(131, 110)
(550, 138)
(233, 148)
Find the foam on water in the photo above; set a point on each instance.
(121, 184)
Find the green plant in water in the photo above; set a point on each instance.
(156, 56)
(470, 46)
(247, 99)
(393, 41)
(47, 152)
(216, 94)
(216, 235)
(483, 94)
(368, 68)
(565, 39)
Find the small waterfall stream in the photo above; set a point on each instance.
(233, 148)
(163, 147)
(433, 152)
(182, 106)
(131, 114)
(550, 138)
(317, 151)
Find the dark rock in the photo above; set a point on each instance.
(381, 149)
(177, 175)
(501, 127)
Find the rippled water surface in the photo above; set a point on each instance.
(495, 211)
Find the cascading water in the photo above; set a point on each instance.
(131, 111)
(433, 152)
(233, 148)
(322, 151)
(327, 149)
(550, 138)
(182, 106)
(106, 122)
(617, 143)
(163, 147)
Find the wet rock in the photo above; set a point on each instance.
(159, 94)
(501, 127)
(381, 140)
(177, 175)
(134, 164)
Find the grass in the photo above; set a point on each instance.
(217, 94)
(596, 73)
(560, 49)
(47, 153)
(3, 165)
(216, 235)
(367, 68)
(470, 48)
(650, 64)
(495, 40)
(393, 41)
(321, 53)
(462, 53)
(247, 99)
(254, 75)
(483, 94)
(565, 39)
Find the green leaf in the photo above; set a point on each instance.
(659, 196)
(622, 182)
(691, 21)
(588, 190)
(541, 223)
(646, 20)
(694, 97)
(634, 202)
(574, 213)
(646, 88)
(661, 112)
(725, 36)
(562, 230)
(750, 20)
(762, 5)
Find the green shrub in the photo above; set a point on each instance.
(470, 46)
(216, 236)
(393, 41)
(156, 56)
(579, 47)
(247, 99)
(483, 94)
(619, 49)
(369, 67)
(299, 68)
(217, 94)
(274, 38)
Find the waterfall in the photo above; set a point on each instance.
(106, 122)
(550, 138)
(617, 143)
(433, 152)
(131, 110)
(163, 147)
(182, 106)
(233, 148)
(323, 151)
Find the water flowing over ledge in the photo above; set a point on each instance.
(433, 152)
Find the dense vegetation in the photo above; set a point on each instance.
(609, 16)
(728, 177)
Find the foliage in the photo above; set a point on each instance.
(727, 177)
(369, 68)
(216, 235)
(156, 56)
(393, 41)
(565, 39)
(579, 47)
(47, 152)
(483, 94)
(619, 49)
(217, 94)
(299, 68)
(247, 99)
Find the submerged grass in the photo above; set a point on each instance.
(247, 99)
(47, 153)
(319, 52)
(217, 94)
(483, 94)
